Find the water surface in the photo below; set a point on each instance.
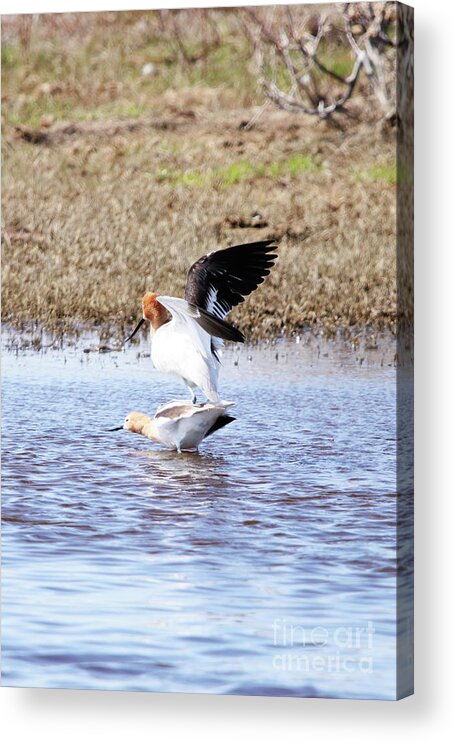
(265, 563)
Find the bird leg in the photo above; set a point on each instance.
(192, 392)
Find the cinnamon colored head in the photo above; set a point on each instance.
(152, 310)
(135, 422)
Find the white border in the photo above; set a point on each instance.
(72, 715)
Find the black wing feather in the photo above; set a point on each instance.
(219, 281)
(219, 423)
(218, 328)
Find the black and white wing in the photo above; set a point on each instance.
(185, 314)
(219, 281)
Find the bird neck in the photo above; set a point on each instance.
(156, 314)
(150, 431)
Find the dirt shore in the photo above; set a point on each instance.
(97, 211)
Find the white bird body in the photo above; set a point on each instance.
(187, 334)
(182, 348)
(180, 425)
(186, 431)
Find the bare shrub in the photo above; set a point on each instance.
(312, 59)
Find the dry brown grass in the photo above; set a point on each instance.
(104, 210)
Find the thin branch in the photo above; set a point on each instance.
(289, 103)
(310, 90)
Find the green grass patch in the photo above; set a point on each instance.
(300, 163)
(10, 57)
(382, 173)
(102, 67)
(238, 172)
(65, 109)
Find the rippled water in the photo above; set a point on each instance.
(263, 564)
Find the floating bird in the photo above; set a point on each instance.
(179, 425)
(187, 334)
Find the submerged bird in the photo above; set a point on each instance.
(179, 425)
(187, 334)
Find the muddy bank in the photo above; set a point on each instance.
(92, 221)
(113, 183)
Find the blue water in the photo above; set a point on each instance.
(264, 564)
